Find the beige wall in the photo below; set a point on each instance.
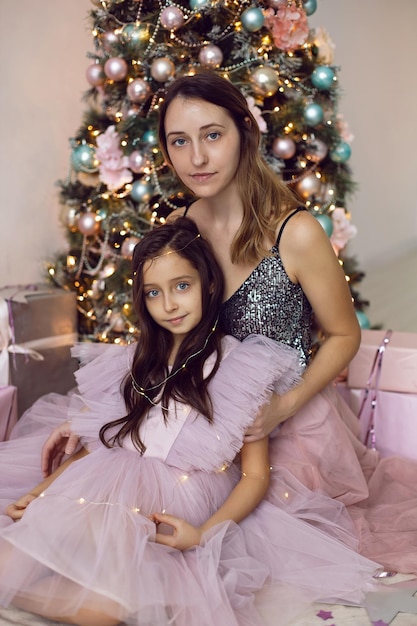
(43, 47)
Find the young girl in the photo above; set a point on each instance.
(153, 523)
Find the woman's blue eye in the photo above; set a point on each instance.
(214, 135)
(179, 142)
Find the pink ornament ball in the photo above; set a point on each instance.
(308, 186)
(162, 69)
(284, 147)
(87, 224)
(137, 162)
(211, 56)
(172, 18)
(128, 246)
(95, 74)
(109, 39)
(116, 68)
(138, 90)
(316, 150)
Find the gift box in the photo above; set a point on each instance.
(8, 410)
(38, 326)
(388, 421)
(397, 361)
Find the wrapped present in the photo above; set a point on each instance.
(38, 326)
(8, 410)
(397, 353)
(388, 420)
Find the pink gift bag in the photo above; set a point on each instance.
(8, 410)
(388, 419)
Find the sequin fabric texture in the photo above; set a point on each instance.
(269, 303)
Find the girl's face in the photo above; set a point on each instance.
(203, 145)
(173, 294)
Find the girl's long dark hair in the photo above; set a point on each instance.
(150, 361)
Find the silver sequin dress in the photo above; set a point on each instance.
(269, 303)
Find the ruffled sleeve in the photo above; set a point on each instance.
(99, 399)
(249, 373)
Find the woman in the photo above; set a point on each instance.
(279, 270)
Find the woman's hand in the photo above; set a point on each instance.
(184, 536)
(17, 509)
(61, 441)
(272, 414)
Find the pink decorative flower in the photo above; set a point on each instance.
(343, 230)
(325, 46)
(289, 26)
(343, 128)
(257, 114)
(114, 166)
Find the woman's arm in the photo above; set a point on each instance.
(17, 509)
(247, 494)
(309, 259)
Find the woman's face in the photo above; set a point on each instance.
(203, 145)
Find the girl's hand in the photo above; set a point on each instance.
(16, 510)
(184, 536)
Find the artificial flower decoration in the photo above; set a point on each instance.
(325, 46)
(343, 230)
(343, 128)
(289, 26)
(114, 166)
(257, 114)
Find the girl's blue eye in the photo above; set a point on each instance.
(179, 142)
(152, 293)
(182, 286)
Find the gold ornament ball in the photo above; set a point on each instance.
(264, 81)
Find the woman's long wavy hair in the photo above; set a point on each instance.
(150, 361)
(266, 199)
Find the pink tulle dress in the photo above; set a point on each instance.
(88, 540)
(321, 470)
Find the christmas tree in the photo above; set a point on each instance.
(119, 185)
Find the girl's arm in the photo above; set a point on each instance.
(17, 509)
(309, 259)
(247, 494)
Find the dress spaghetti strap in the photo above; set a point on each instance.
(186, 210)
(297, 210)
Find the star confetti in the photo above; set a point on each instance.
(325, 614)
(380, 622)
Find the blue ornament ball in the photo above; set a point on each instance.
(310, 6)
(363, 320)
(141, 191)
(83, 158)
(313, 114)
(252, 19)
(326, 223)
(323, 77)
(198, 4)
(150, 137)
(341, 152)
